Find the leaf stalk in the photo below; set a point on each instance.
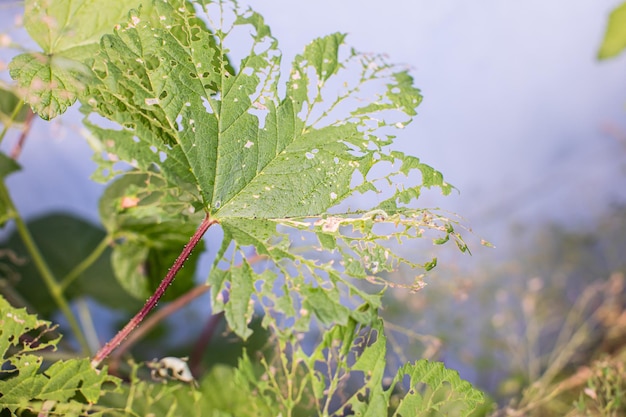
(54, 288)
(86, 263)
(152, 302)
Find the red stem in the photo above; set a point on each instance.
(17, 149)
(203, 341)
(151, 322)
(154, 299)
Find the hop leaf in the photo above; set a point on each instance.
(67, 31)
(24, 384)
(266, 162)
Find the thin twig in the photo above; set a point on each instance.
(17, 149)
(203, 341)
(154, 299)
(86, 263)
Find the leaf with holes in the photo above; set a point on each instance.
(347, 374)
(268, 157)
(68, 32)
(26, 386)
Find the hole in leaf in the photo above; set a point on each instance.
(207, 105)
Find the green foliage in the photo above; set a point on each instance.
(257, 159)
(65, 241)
(344, 375)
(10, 103)
(143, 215)
(7, 167)
(66, 387)
(605, 391)
(297, 171)
(615, 37)
(68, 33)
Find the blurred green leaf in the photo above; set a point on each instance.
(8, 103)
(51, 83)
(64, 242)
(7, 167)
(24, 385)
(615, 37)
(68, 32)
(151, 224)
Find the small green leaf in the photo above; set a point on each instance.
(8, 104)
(51, 83)
(151, 223)
(68, 33)
(445, 392)
(26, 386)
(7, 167)
(65, 241)
(241, 305)
(615, 37)
(430, 265)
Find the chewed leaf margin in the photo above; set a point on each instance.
(347, 374)
(267, 162)
(26, 385)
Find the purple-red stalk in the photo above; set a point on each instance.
(158, 293)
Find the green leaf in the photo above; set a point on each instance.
(68, 33)
(345, 374)
(445, 393)
(51, 83)
(26, 386)
(8, 105)
(7, 167)
(151, 224)
(615, 37)
(431, 387)
(219, 394)
(268, 163)
(64, 241)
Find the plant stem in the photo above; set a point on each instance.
(16, 110)
(86, 263)
(55, 290)
(158, 293)
(17, 149)
(206, 336)
(153, 320)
